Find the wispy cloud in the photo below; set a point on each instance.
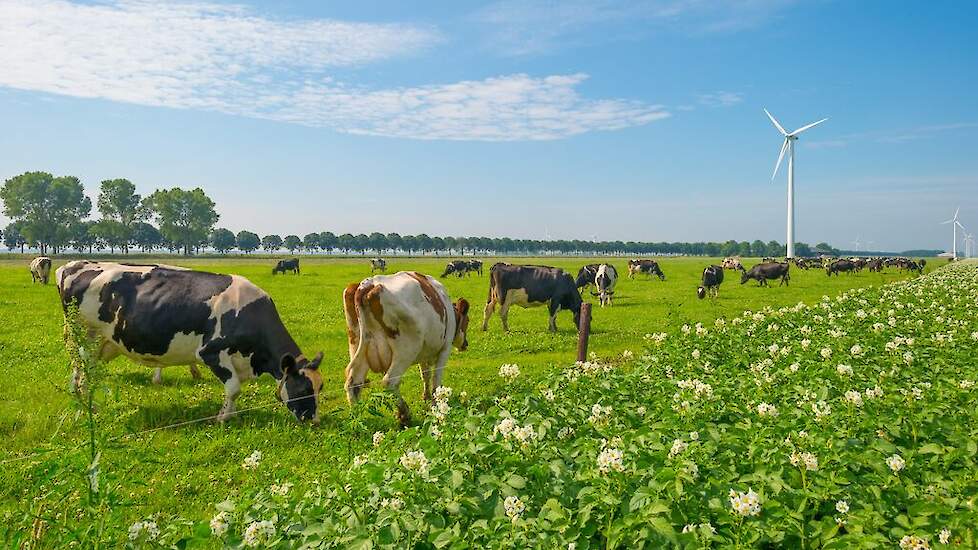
(900, 135)
(229, 59)
(720, 99)
(523, 27)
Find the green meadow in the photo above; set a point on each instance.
(150, 468)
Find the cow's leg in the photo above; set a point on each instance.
(231, 390)
(490, 309)
(504, 314)
(392, 381)
(194, 372)
(356, 377)
(439, 369)
(157, 376)
(426, 376)
(553, 309)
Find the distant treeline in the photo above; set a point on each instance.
(51, 215)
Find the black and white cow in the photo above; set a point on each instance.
(841, 266)
(162, 316)
(457, 267)
(605, 280)
(710, 283)
(769, 270)
(378, 264)
(40, 270)
(286, 265)
(586, 275)
(649, 267)
(475, 266)
(529, 286)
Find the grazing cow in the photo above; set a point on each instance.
(712, 277)
(732, 263)
(767, 260)
(378, 264)
(649, 267)
(395, 321)
(529, 286)
(875, 265)
(841, 266)
(286, 265)
(586, 275)
(161, 316)
(40, 269)
(458, 267)
(475, 266)
(605, 280)
(768, 270)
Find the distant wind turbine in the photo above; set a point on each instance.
(789, 145)
(954, 233)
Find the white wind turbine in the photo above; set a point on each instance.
(954, 232)
(789, 145)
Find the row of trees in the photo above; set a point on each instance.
(49, 214)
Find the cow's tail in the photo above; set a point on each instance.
(355, 321)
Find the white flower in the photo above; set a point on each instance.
(908, 358)
(442, 393)
(913, 542)
(378, 438)
(514, 508)
(359, 460)
(610, 459)
(694, 436)
(219, 524)
(549, 394)
(854, 397)
(435, 431)
(415, 461)
(696, 354)
(393, 503)
(280, 490)
(965, 384)
(896, 463)
(794, 367)
(842, 507)
(825, 353)
(565, 432)
(140, 528)
(641, 410)
(856, 350)
(678, 446)
(599, 414)
(844, 370)
(252, 461)
(505, 427)
(509, 372)
(627, 354)
(945, 535)
(745, 504)
(806, 459)
(765, 409)
(821, 409)
(259, 533)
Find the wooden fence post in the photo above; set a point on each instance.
(583, 332)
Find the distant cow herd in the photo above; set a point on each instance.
(161, 316)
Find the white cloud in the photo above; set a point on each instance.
(721, 99)
(228, 59)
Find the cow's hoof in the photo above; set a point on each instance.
(195, 373)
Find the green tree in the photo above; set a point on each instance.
(346, 242)
(395, 242)
(378, 242)
(292, 243)
(119, 202)
(185, 217)
(83, 237)
(311, 242)
(247, 241)
(112, 233)
(824, 248)
(271, 243)
(47, 207)
(328, 241)
(146, 237)
(13, 237)
(222, 240)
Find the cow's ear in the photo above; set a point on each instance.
(462, 306)
(288, 363)
(314, 364)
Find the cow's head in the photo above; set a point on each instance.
(658, 272)
(299, 386)
(744, 276)
(461, 324)
(701, 293)
(449, 269)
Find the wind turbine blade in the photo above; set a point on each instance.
(803, 128)
(945, 223)
(957, 223)
(776, 123)
(956, 213)
(784, 147)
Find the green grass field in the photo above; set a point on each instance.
(188, 469)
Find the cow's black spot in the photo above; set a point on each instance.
(154, 307)
(79, 285)
(302, 398)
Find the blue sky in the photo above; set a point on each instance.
(633, 121)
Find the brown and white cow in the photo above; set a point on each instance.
(40, 269)
(732, 263)
(395, 321)
(161, 316)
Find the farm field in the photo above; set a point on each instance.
(184, 472)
